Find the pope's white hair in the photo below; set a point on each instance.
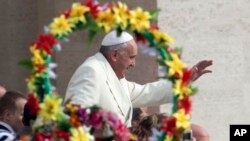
(106, 49)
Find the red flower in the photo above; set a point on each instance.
(62, 135)
(186, 104)
(94, 7)
(153, 27)
(46, 42)
(186, 76)
(39, 68)
(67, 13)
(42, 137)
(169, 125)
(39, 137)
(140, 38)
(33, 104)
(31, 109)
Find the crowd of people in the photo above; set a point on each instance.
(101, 80)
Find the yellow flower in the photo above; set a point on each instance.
(181, 89)
(60, 26)
(77, 13)
(133, 137)
(121, 15)
(139, 19)
(106, 20)
(78, 134)
(72, 108)
(176, 65)
(162, 38)
(168, 138)
(182, 119)
(31, 84)
(50, 108)
(37, 58)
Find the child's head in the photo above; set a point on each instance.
(143, 131)
(11, 109)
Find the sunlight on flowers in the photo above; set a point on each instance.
(50, 108)
(77, 13)
(37, 59)
(139, 19)
(106, 20)
(60, 26)
(182, 120)
(121, 14)
(78, 134)
(162, 38)
(181, 89)
(176, 66)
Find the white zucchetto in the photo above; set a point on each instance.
(112, 38)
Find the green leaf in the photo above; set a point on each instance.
(63, 123)
(154, 13)
(178, 50)
(91, 35)
(175, 104)
(27, 63)
(194, 90)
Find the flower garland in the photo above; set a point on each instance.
(50, 121)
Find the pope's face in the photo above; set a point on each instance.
(126, 59)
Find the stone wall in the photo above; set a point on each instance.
(217, 30)
(18, 20)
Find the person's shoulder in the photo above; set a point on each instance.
(6, 136)
(6, 133)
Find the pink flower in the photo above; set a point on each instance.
(96, 120)
(121, 132)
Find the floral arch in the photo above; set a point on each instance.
(51, 121)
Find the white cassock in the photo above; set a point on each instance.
(95, 83)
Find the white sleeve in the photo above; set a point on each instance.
(84, 87)
(150, 94)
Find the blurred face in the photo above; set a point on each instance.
(2, 91)
(16, 117)
(125, 59)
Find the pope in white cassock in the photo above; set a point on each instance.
(100, 80)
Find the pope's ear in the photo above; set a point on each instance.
(113, 54)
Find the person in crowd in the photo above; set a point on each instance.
(2, 91)
(100, 80)
(11, 113)
(144, 128)
(142, 123)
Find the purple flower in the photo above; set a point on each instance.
(82, 115)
